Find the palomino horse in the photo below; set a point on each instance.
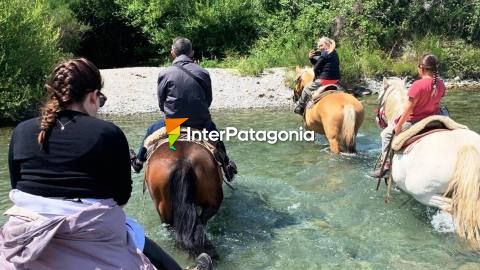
(338, 116)
(441, 170)
(181, 182)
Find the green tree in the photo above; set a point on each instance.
(28, 51)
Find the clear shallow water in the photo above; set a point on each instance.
(296, 206)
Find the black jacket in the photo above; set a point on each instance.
(326, 66)
(180, 95)
(88, 159)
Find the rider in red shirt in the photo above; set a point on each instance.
(423, 100)
(427, 95)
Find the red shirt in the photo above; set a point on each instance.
(426, 105)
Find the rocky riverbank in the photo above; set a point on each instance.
(133, 90)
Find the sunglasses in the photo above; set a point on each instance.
(102, 98)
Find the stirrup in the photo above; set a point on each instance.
(230, 170)
(136, 164)
(380, 173)
(299, 109)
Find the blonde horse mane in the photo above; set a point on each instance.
(393, 95)
(464, 189)
(300, 81)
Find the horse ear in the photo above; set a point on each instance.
(404, 80)
(385, 81)
(298, 69)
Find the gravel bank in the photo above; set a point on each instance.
(133, 90)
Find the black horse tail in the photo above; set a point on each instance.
(189, 230)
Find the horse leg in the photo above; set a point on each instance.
(332, 132)
(163, 209)
(207, 213)
(161, 197)
(333, 141)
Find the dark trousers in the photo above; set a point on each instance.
(142, 151)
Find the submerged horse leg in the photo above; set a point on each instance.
(334, 145)
(331, 132)
(158, 183)
(205, 216)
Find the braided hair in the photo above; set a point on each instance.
(429, 63)
(69, 83)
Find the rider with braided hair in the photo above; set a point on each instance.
(70, 177)
(424, 98)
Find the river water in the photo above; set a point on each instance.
(297, 206)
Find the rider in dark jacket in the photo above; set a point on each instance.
(180, 95)
(326, 67)
(185, 90)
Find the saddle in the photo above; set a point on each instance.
(424, 127)
(322, 92)
(160, 137)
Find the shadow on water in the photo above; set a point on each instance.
(246, 218)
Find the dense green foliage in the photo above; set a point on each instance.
(28, 50)
(374, 37)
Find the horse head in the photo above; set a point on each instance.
(392, 97)
(304, 76)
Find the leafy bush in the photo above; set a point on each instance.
(213, 26)
(28, 50)
(71, 30)
(111, 40)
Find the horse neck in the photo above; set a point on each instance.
(394, 103)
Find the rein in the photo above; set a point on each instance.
(380, 108)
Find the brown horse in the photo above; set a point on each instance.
(186, 187)
(338, 115)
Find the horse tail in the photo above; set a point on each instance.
(464, 189)
(189, 231)
(348, 128)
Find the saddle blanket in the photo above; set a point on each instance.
(428, 123)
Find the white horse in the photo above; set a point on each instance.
(441, 170)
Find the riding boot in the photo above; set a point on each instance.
(382, 171)
(229, 167)
(158, 257)
(202, 262)
(302, 102)
(136, 163)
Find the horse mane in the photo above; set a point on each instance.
(393, 96)
(300, 71)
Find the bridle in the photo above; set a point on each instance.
(380, 110)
